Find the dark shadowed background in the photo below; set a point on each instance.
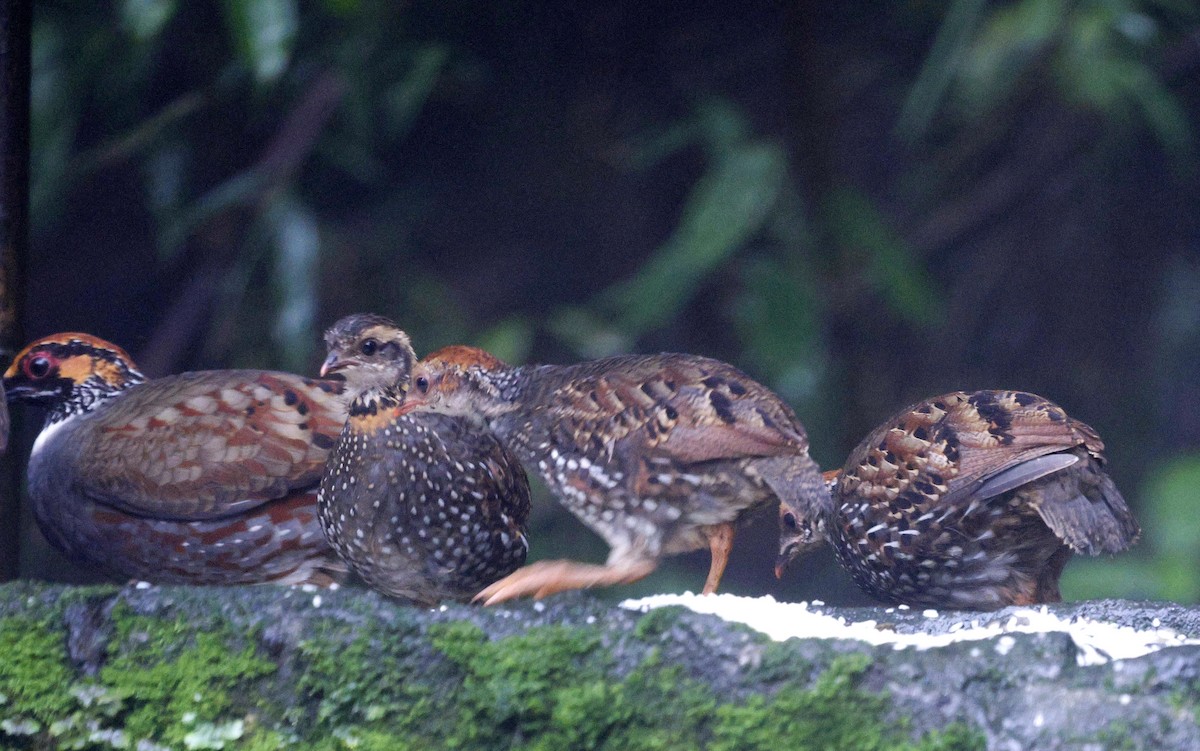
(861, 204)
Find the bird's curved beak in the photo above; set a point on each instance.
(14, 386)
(331, 364)
(785, 559)
(409, 405)
(793, 548)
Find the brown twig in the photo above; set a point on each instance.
(189, 312)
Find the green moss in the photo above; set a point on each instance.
(955, 737)
(657, 622)
(512, 687)
(552, 688)
(1183, 699)
(163, 681)
(833, 713)
(366, 675)
(33, 675)
(370, 685)
(181, 686)
(556, 687)
(1116, 736)
(629, 714)
(778, 662)
(261, 739)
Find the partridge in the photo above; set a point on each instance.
(199, 478)
(971, 500)
(658, 454)
(424, 507)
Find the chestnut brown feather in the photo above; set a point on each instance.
(973, 500)
(205, 478)
(658, 454)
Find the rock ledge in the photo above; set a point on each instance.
(266, 667)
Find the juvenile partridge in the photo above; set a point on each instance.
(424, 507)
(972, 500)
(658, 454)
(199, 478)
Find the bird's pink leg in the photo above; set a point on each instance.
(548, 577)
(720, 541)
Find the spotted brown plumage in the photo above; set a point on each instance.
(199, 478)
(970, 500)
(658, 454)
(424, 507)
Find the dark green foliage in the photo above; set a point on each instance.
(860, 208)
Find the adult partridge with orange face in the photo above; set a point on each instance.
(658, 454)
(199, 478)
(424, 507)
(971, 500)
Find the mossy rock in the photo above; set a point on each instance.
(268, 667)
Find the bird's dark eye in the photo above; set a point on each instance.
(789, 521)
(369, 347)
(422, 384)
(37, 367)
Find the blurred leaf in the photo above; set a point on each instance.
(724, 210)
(1105, 64)
(1099, 54)
(297, 244)
(264, 32)
(509, 339)
(722, 125)
(53, 119)
(1087, 578)
(648, 149)
(145, 18)
(890, 262)
(1171, 500)
(946, 55)
(588, 334)
(406, 99)
(1010, 43)
(780, 322)
(1167, 120)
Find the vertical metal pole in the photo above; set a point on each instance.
(16, 17)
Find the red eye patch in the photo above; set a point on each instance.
(39, 365)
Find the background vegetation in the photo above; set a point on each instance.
(861, 204)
